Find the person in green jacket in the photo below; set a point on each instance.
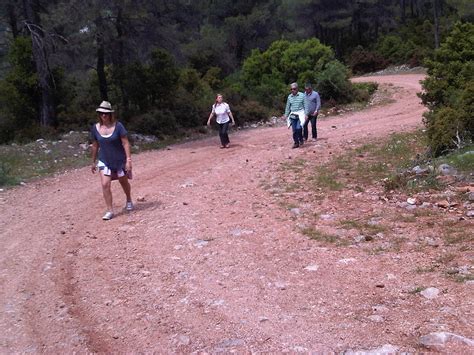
(295, 113)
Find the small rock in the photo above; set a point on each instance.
(347, 261)
(227, 343)
(201, 243)
(438, 340)
(470, 197)
(380, 309)
(430, 293)
(411, 201)
(442, 204)
(183, 340)
(312, 267)
(280, 285)
(218, 303)
(300, 349)
(445, 169)
(376, 318)
(326, 217)
(470, 213)
(141, 199)
(432, 242)
(262, 319)
(419, 170)
(387, 349)
(296, 211)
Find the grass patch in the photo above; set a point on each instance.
(315, 234)
(446, 258)
(326, 179)
(295, 166)
(42, 158)
(458, 236)
(424, 270)
(363, 227)
(371, 163)
(462, 278)
(417, 289)
(462, 160)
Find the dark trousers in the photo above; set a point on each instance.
(314, 131)
(297, 131)
(224, 136)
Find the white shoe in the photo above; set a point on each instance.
(129, 206)
(108, 216)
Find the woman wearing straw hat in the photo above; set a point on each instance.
(109, 139)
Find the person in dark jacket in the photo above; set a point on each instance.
(313, 105)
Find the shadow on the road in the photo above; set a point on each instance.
(140, 206)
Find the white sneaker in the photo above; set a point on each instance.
(108, 216)
(129, 206)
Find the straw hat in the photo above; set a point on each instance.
(105, 107)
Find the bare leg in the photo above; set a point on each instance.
(106, 191)
(126, 187)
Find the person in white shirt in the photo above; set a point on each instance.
(223, 117)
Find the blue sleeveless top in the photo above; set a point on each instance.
(111, 151)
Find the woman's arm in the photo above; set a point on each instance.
(94, 149)
(126, 146)
(210, 116)
(231, 117)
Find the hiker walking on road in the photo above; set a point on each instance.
(223, 117)
(313, 105)
(296, 114)
(109, 140)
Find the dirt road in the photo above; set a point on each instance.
(209, 261)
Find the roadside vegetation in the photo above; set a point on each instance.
(389, 196)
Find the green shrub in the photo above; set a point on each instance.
(364, 61)
(449, 91)
(156, 122)
(333, 83)
(395, 49)
(363, 91)
(249, 111)
(266, 75)
(18, 92)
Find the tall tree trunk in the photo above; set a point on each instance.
(101, 68)
(403, 12)
(12, 20)
(102, 78)
(40, 55)
(436, 22)
(119, 25)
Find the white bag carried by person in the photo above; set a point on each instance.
(300, 114)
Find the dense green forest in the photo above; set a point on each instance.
(162, 62)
